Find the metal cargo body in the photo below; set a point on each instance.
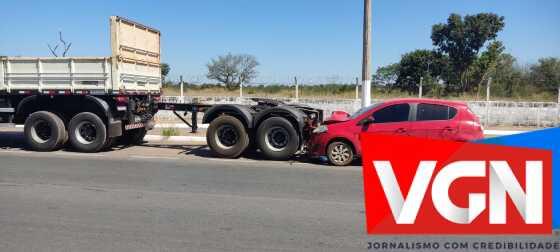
(134, 66)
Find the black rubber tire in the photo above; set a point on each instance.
(100, 130)
(133, 137)
(290, 132)
(220, 149)
(57, 131)
(344, 156)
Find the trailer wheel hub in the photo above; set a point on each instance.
(86, 132)
(277, 138)
(227, 135)
(41, 131)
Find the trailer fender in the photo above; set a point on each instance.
(288, 112)
(244, 113)
(114, 127)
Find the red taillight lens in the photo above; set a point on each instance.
(122, 99)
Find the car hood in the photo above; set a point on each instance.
(337, 116)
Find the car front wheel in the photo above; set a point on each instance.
(340, 153)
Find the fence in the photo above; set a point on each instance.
(492, 113)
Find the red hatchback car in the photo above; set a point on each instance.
(338, 137)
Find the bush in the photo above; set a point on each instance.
(170, 132)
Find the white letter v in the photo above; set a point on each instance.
(404, 210)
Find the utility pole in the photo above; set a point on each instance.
(366, 61)
(420, 88)
(240, 89)
(182, 94)
(297, 89)
(488, 101)
(357, 88)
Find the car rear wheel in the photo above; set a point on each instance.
(277, 138)
(44, 131)
(340, 153)
(227, 137)
(87, 132)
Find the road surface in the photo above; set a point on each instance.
(172, 199)
(177, 198)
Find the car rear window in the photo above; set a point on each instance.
(431, 112)
(393, 113)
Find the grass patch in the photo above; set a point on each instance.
(170, 132)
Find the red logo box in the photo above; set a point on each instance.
(425, 186)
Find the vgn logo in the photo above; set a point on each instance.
(424, 186)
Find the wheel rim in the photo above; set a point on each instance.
(227, 136)
(86, 132)
(277, 138)
(341, 153)
(41, 131)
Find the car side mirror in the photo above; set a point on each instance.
(366, 121)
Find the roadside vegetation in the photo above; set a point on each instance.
(168, 132)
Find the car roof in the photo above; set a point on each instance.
(421, 100)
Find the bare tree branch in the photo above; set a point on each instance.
(66, 46)
(53, 50)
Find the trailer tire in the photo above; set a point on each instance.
(227, 137)
(277, 138)
(44, 131)
(87, 132)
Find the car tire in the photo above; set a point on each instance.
(227, 137)
(277, 138)
(87, 132)
(44, 131)
(340, 153)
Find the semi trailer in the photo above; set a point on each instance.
(90, 102)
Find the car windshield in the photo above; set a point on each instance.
(363, 110)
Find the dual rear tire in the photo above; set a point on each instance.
(276, 137)
(46, 131)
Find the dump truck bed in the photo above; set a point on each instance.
(132, 67)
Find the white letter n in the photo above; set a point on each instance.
(528, 204)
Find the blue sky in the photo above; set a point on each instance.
(316, 40)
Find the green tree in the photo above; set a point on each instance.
(546, 73)
(461, 39)
(233, 70)
(165, 70)
(418, 64)
(485, 65)
(386, 75)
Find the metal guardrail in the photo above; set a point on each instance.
(492, 113)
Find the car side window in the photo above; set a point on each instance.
(393, 113)
(431, 112)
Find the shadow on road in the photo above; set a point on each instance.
(12, 140)
(16, 140)
(204, 152)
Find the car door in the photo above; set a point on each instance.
(436, 121)
(392, 119)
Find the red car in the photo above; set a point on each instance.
(338, 137)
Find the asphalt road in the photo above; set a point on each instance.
(116, 201)
(179, 198)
